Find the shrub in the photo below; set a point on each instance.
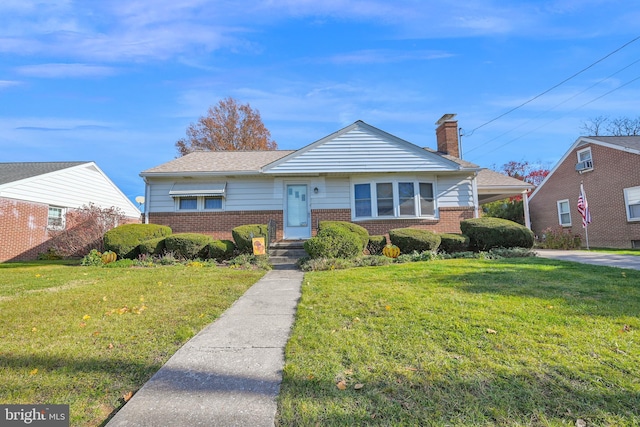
(416, 256)
(250, 261)
(125, 239)
(334, 242)
(451, 243)
(152, 246)
(413, 239)
(221, 249)
(189, 245)
(243, 234)
(85, 228)
(376, 244)
(93, 258)
(558, 238)
(361, 232)
(487, 233)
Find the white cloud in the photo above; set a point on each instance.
(8, 83)
(65, 70)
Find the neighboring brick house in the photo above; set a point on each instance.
(359, 174)
(36, 196)
(609, 169)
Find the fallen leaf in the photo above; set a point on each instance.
(34, 329)
(491, 331)
(358, 386)
(348, 372)
(581, 423)
(96, 333)
(104, 298)
(127, 396)
(411, 368)
(86, 317)
(33, 372)
(626, 328)
(387, 307)
(82, 324)
(110, 346)
(342, 385)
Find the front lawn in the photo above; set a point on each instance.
(508, 342)
(90, 336)
(635, 252)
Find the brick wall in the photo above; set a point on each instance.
(219, 224)
(613, 170)
(23, 229)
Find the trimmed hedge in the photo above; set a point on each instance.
(376, 244)
(414, 239)
(451, 243)
(221, 249)
(153, 246)
(124, 239)
(361, 232)
(243, 234)
(334, 242)
(189, 245)
(487, 233)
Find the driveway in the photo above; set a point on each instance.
(596, 258)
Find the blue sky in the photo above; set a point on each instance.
(118, 82)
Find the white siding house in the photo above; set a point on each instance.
(35, 197)
(359, 174)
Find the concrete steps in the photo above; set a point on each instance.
(286, 252)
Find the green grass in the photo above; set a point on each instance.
(86, 336)
(635, 252)
(517, 342)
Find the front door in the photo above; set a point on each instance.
(297, 224)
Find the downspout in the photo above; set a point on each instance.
(474, 190)
(146, 201)
(525, 206)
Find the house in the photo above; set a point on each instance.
(359, 173)
(36, 196)
(608, 167)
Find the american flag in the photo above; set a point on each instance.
(583, 207)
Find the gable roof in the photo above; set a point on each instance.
(11, 172)
(629, 144)
(217, 162)
(360, 147)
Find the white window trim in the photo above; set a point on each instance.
(584, 150)
(558, 204)
(626, 203)
(396, 199)
(63, 218)
(199, 204)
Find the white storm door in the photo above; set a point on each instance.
(297, 224)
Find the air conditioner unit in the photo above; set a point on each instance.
(583, 166)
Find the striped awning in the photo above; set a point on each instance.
(198, 189)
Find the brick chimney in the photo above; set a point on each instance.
(447, 135)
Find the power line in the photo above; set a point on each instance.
(553, 87)
(556, 106)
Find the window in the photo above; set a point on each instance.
(362, 195)
(213, 203)
(384, 193)
(188, 203)
(564, 213)
(393, 200)
(585, 162)
(55, 220)
(632, 202)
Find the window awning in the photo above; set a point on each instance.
(198, 189)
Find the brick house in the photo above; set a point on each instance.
(609, 169)
(359, 174)
(35, 198)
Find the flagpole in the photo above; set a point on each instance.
(586, 234)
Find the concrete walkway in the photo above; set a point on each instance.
(230, 373)
(596, 258)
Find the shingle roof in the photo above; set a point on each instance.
(11, 172)
(219, 161)
(488, 178)
(623, 141)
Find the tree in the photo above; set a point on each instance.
(84, 230)
(227, 126)
(604, 126)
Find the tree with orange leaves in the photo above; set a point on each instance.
(227, 126)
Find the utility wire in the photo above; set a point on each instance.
(556, 106)
(558, 118)
(553, 87)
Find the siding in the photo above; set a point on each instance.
(71, 188)
(362, 150)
